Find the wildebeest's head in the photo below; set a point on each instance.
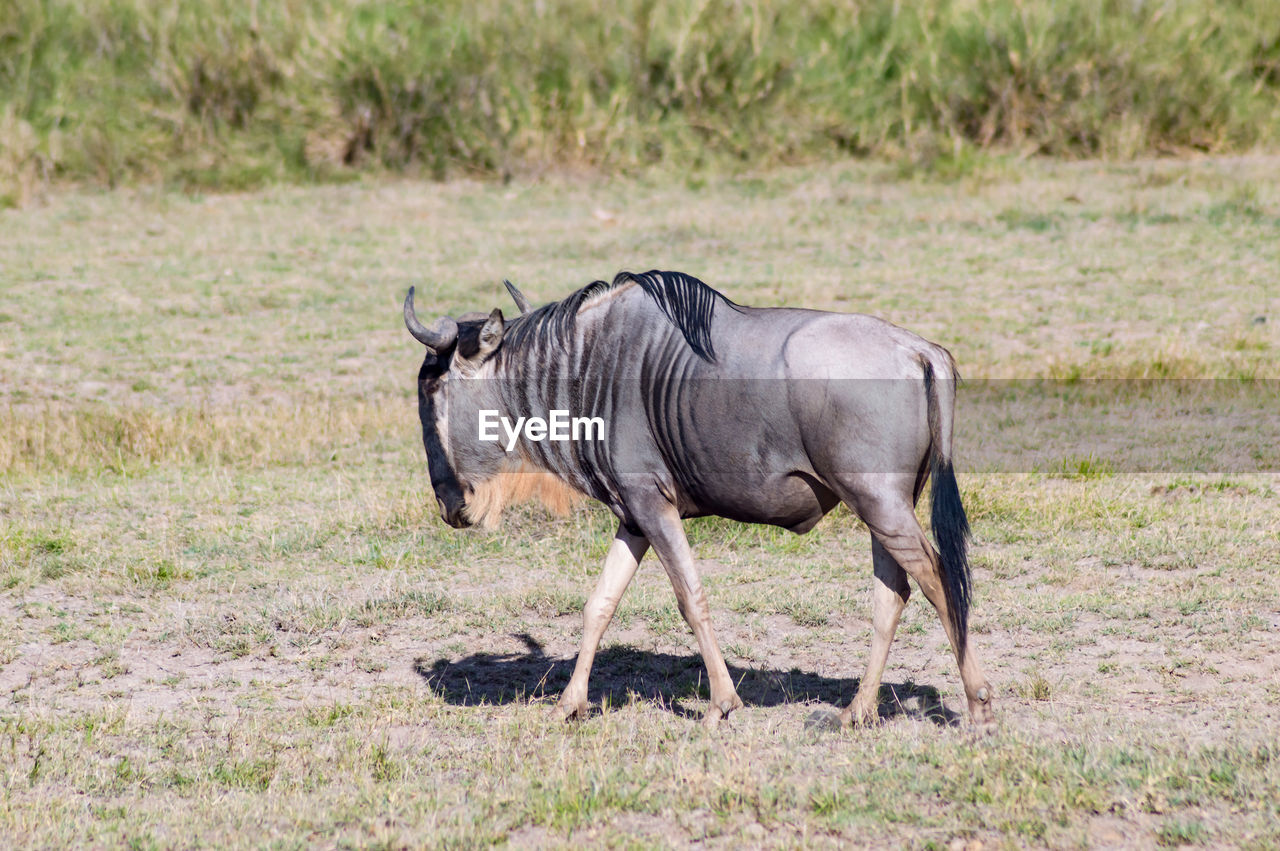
(473, 480)
(459, 356)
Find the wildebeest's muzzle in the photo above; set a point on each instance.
(455, 516)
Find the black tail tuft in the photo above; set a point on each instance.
(951, 529)
(950, 524)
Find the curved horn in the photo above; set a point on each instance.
(437, 338)
(521, 301)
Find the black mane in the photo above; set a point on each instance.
(686, 301)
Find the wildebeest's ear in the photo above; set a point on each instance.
(491, 333)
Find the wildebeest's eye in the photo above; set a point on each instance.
(434, 366)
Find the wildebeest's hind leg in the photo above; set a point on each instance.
(619, 566)
(889, 598)
(667, 535)
(893, 523)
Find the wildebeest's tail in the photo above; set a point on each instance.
(950, 525)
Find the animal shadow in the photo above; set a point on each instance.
(621, 674)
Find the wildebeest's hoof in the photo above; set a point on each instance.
(823, 720)
(985, 722)
(858, 715)
(571, 711)
(720, 710)
(981, 709)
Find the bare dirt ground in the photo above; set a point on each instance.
(231, 617)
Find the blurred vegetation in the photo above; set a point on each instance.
(233, 93)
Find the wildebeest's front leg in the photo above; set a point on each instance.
(667, 535)
(619, 566)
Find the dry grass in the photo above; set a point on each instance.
(230, 615)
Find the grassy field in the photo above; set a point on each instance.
(231, 617)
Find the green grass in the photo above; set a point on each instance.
(229, 615)
(218, 93)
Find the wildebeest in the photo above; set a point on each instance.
(764, 415)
